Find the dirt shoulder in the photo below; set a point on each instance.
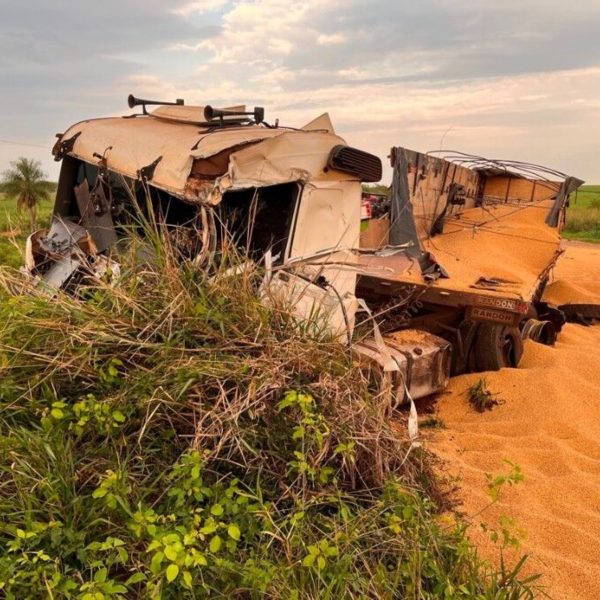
(549, 424)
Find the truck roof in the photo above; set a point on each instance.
(170, 139)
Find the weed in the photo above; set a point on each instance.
(507, 534)
(495, 483)
(432, 423)
(480, 397)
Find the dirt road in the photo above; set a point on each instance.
(549, 424)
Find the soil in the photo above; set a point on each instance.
(548, 423)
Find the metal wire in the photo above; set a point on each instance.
(513, 167)
(14, 143)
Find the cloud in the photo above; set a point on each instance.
(198, 7)
(378, 40)
(264, 30)
(330, 39)
(62, 61)
(507, 77)
(543, 118)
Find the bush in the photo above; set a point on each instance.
(170, 437)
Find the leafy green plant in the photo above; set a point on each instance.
(480, 397)
(495, 483)
(320, 555)
(432, 422)
(87, 414)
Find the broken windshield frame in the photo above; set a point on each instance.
(260, 219)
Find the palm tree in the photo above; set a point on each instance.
(26, 182)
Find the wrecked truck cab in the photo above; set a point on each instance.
(198, 170)
(290, 197)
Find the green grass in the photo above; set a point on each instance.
(15, 227)
(583, 215)
(169, 436)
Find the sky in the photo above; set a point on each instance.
(506, 79)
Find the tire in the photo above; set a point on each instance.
(581, 313)
(497, 347)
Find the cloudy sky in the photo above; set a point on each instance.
(506, 79)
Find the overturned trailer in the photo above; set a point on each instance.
(481, 238)
(448, 278)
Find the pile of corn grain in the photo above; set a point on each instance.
(548, 424)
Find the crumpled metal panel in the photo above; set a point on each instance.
(130, 144)
(292, 156)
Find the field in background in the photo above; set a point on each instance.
(583, 216)
(15, 227)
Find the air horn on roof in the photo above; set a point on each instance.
(133, 101)
(211, 114)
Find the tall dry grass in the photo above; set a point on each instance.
(166, 435)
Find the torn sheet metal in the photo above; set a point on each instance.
(291, 156)
(319, 278)
(327, 222)
(133, 143)
(321, 123)
(137, 142)
(211, 142)
(320, 306)
(403, 227)
(77, 266)
(66, 250)
(568, 186)
(63, 235)
(61, 271)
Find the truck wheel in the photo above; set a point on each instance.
(497, 347)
